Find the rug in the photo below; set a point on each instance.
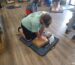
(40, 51)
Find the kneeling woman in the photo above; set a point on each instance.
(34, 24)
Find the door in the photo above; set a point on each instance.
(72, 2)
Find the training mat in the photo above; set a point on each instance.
(10, 7)
(28, 43)
(13, 6)
(43, 50)
(60, 11)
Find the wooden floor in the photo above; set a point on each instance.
(19, 54)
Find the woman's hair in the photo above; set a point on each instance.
(46, 19)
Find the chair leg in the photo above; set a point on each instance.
(73, 37)
(0, 6)
(67, 31)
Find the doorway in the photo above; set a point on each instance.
(72, 2)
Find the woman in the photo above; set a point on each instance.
(34, 24)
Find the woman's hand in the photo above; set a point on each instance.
(42, 38)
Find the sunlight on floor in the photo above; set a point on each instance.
(67, 7)
(73, 2)
(67, 17)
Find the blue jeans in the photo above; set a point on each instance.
(28, 34)
(35, 7)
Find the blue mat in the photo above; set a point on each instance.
(60, 11)
(43, 50)
(12, 7)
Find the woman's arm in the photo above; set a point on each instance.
(39, 34)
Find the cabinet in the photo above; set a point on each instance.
(2, 38)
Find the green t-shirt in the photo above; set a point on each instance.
(31, 22)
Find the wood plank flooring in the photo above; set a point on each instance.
(19, 54)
